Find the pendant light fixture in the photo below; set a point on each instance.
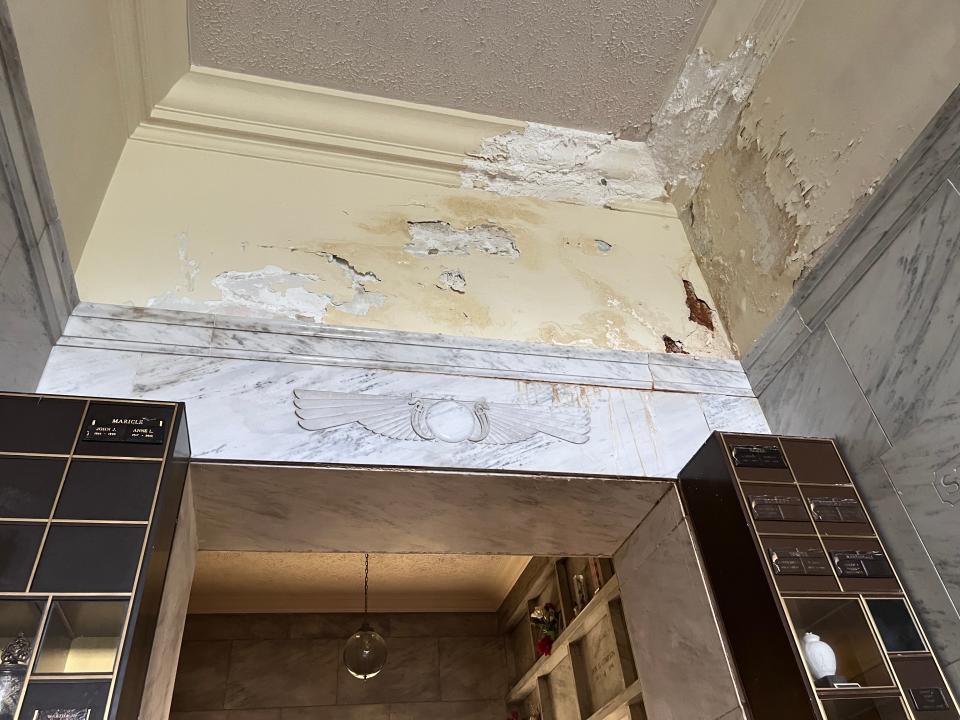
(365, 652)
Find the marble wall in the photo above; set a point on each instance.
(288, 667)
(36, 283)
(869, 355)
(644, 414)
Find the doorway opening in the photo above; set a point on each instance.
(499, 594)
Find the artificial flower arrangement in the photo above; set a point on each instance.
(547, 620)
(515, 715)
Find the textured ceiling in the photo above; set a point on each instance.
(333, 582)
(594, 64)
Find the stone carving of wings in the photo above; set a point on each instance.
(445, 419)
(516, 423)
(382, 414)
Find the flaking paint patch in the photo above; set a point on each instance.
(701, 112)
(268, 292)
(436, 237)
(554, 163)
(273, 292)
(452, 280)
(363, 299)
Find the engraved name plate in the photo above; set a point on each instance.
(861, 564)
(798, 561)
(932, 698)
(834, 509)
(62, 714)
(758, 456)
(777, 507)
(149, 431)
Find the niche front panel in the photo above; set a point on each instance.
(818, 623)
(89, 495)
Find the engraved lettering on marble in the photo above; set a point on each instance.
(445, 419)
(947, 485)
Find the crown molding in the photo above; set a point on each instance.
(241, 114)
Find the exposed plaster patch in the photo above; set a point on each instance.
(268, 292)
(277, 293)
(701, 112)
(452, 280)
(363, 300)
(603, 246)
(554, 163)
(436, 237)
(700, 311)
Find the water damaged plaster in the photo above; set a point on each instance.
(279, 240)
(819, 118)
(781, 123)
(555, 163)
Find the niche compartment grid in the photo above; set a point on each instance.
(86, 523)
(776, 576)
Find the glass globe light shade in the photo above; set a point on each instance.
(365, 653)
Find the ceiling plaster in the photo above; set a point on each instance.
(333, 582)
(602, 65)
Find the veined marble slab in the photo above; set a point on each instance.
(168, 332)
(310, 509)
(903, 344)
(238, 378)
(243, 410)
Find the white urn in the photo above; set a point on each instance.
(821, 659)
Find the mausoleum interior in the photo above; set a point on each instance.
(504, 360)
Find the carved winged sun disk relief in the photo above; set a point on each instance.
(445, 419)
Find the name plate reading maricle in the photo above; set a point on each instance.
(150, 431)
(931, 698)
(62, 714)
(758, 456)
(777, 507)
(834, 509)
(796, 561)
(861, 564)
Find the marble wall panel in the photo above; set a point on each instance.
(671, 623)
(472, 669)
(162, 670)
(295, 676)
(632, 432)
(816, 395)
(290, 508)
(902, 343)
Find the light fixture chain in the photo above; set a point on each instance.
(366, 582)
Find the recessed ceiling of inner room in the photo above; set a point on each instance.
(333, 582)
(599, 65)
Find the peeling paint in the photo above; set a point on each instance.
(673, 346)
(603, 246)
(272, 292)
(452, 280)
(554, 163)
(701, 111)
(363, 300)
(436, 237)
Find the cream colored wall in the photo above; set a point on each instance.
(848, 88)
(83, 66)
(193, 229)
(66, 49)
